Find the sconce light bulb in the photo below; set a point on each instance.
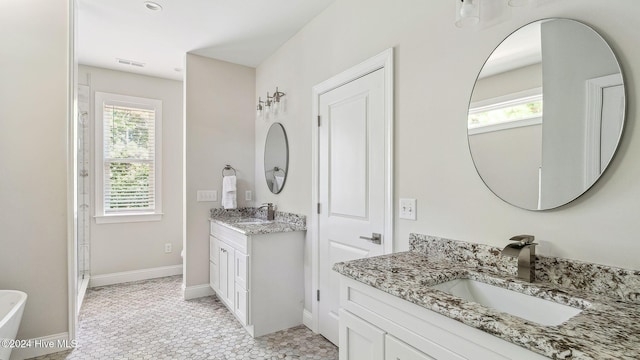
(466, 9)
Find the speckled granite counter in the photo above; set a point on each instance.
(246, 221)
(607, 328)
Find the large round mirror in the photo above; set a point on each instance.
(546, 114)
(276, 158)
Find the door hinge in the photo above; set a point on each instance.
(318, 295)
(318, 208)
(318, 120)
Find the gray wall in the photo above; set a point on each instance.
(509, 160)
(34, 88)
(134, 246)
(436, 65)
(219, 116)
(508, 82)
(567, 45)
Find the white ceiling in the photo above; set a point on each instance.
(522, 48)
(239, 31)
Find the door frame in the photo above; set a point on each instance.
(593, 124)
(72, 174)
(384, 60)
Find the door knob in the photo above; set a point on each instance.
(375, 238)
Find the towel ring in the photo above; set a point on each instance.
(228, 168)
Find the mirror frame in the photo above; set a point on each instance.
(273, 127)
(622, 126)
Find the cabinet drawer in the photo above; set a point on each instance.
(241, 305)
(232, 237)
(214, 276)
(214, 250)
(398, 350)
(241, 269)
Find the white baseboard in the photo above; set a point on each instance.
(197, 291)
(307, 319)
(43, 346)
(136, 275)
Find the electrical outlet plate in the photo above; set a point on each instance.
(167, 248)
(207, 195)
(408, 209)
(247, 195)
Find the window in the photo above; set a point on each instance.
(128, 158)
(506, 112)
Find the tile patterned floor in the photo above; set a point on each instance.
(150, 320)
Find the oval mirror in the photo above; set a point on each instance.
(276, 158)
(546, 114)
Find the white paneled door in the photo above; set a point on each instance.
(351, 184)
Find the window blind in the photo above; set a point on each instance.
(129, 157)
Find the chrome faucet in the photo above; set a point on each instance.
(271, 212)
(525, 251)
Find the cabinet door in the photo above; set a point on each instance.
(359, 340)
(214, 276)
(214, 250)
(398, 350)
(241, 306)
(241, 269)
(225, 265)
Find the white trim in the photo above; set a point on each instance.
(126, 218)
(505, 125)
(72, 188)
(486, 104)
(593, 125)
(540, 188)
(147, 103)
(197, 291)
(307, 318)
(384, 60)
(135, 275)
(34, 350)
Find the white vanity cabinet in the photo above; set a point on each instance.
(360, 340)
(260, 278)
(377, 325)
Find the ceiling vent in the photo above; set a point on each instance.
(130, 62)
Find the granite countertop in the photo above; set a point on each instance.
(607, 328)
(251, 221)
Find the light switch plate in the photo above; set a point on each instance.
(207, 195)
(408, 209)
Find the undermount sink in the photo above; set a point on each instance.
(253, 221)
(541, 311)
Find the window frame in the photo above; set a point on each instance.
(101, 216)
(517, 98)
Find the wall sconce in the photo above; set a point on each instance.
(271, 105)
(467, 13)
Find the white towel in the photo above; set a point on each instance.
(277, 185)
(229, 192)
